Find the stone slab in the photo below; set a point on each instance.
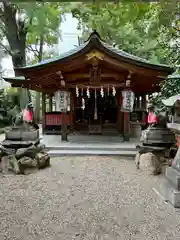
(173, 176)
(13, 135)
(17, 144)
(167, 191)
(22, 134)
(176, 161)
(120, 153)
(30, 135)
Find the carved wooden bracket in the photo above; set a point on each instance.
(95, 74)
(95, 54)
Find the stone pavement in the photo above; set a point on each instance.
(85, 198)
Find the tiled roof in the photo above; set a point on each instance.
(98, 42)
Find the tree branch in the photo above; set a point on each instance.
(6, 48)
(35, 51)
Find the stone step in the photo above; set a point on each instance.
(93, 147)
(56, 153)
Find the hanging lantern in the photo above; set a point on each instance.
(102, 92)
(113, 91)
(128, 83)
(87, 92)
(128, 98)
(83, 104)
(77, 92)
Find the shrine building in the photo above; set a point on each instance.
(92, 88)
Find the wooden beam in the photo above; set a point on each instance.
(73, 76)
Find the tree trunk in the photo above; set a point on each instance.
(38, 95)
(16, 32)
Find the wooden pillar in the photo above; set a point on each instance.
(72, 109)
(143, 101)
(137, 102)
(119, 121)
(74, 99)
(64, 126)
(50, 103)
(126, 118)
(64, 123)
(43, 111)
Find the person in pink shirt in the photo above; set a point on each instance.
(152, 116)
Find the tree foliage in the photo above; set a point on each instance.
(25, 27)
(148, 30)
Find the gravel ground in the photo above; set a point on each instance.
(85, 198)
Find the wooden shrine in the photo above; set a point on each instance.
(94, 75)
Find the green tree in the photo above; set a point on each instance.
(142, 29)
(28, 27)
(147, 30)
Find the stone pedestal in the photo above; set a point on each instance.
(22, 153)
(170, 188)
(148, 158)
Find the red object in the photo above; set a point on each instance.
(56, 119)
(152, 118)
(178, 142)
(126, 116)
(27, 115)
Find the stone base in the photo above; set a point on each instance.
(169, 193)
(173, 176)
(21, 134)
(170, 189)
(149, 163)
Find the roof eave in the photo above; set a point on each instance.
(95, 42)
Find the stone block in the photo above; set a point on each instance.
(176, 161)
(169, 193)
(173, 176)
(13, 135)
(30, 135)
(22, 134)
(150, 163)
(14, 163)
(27, 163)
(43, 159)
(5, 164)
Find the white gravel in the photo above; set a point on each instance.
(85, 198)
